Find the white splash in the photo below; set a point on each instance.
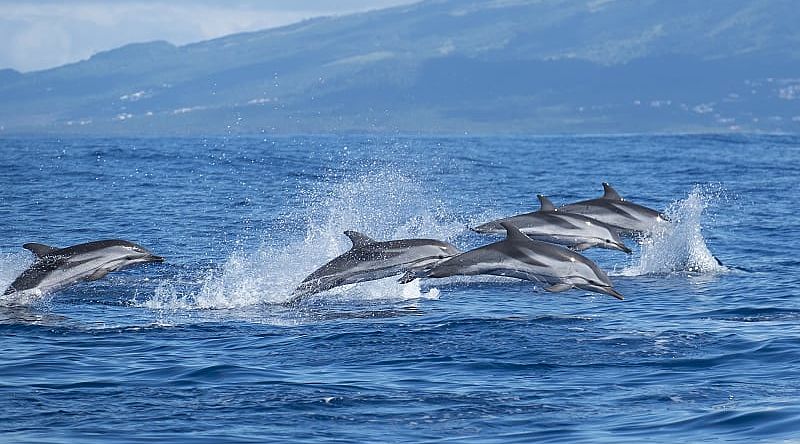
(11, 265)
(679, 246)
(383, 205)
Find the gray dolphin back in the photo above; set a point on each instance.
(520, 257)
(369, 260)
(549, 224)
(612, 209)
(56, 268)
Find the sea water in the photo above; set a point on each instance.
(705, 346)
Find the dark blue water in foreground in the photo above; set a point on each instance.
(200, 348)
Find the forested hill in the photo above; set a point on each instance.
(446, 66)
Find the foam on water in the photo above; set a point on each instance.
(383, 204)
(11, 265)
(679, 246)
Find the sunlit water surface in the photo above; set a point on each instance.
(201, 348)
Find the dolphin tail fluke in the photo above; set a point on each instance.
(303, 290)
(298, 295)
(410, 276)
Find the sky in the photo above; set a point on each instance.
(41, 34)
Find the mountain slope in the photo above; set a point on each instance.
(444, 66)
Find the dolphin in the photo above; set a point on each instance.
(613, 210)
(370, 260)
(56, 268)
(521, 257)
(549, 224)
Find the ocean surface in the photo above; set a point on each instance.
(201, 348)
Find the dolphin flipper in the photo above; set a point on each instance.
(557, 288)
(98, 274)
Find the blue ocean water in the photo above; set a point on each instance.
(200, 349)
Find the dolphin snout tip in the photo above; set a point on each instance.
(154, 258)
(615, 293)
(617, 246)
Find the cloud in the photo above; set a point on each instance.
(43, 34)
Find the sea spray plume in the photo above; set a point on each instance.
(550, 224)
(613, 210)
(388, 203)
(56, 268)
(521, 257)
(369, 260)
(680, 246)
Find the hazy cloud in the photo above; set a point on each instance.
(44, 34)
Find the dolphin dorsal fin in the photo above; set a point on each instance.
(610, 193)
(359, 239)
(545, 204)
(40, 250)
(513, 234)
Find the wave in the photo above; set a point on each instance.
(679, 246)
(382, 204)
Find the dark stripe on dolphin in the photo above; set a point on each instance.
(110, 255)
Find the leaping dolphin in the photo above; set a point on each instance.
(550, 224)
(613, 210)
(369, 260)
(521, 257)
(56, 268)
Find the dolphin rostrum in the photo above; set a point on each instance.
(613, 210)
(521, 257)
(552, 225)
(369, 260)
(56, 268)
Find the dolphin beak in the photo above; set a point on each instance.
(622, 247)
(154, 258)
(487, 228)
(612, 292)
